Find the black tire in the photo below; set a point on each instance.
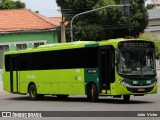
(92, 93)
(33, 92)
(126, 98)
(89, 97)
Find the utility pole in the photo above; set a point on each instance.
(63, 33)
(71, 25)
(126, 10)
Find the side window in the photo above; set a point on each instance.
(7, 62)
(21, 46)
(38, 44)
(59, 59)
(25, 62)
(90, 56)
(4, 47)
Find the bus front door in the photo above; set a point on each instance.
(14, 73)
(105, 69)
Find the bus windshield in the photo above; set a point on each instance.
(136, 62)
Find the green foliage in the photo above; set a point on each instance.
(105, 23)
(154, 39)
(9, 4)
(20, 4)
(149, 6)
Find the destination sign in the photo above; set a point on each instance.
(135, 44)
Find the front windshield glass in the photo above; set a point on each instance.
(136, 62)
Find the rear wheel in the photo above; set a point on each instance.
(126, 98)
(92, 93)
(33, 93)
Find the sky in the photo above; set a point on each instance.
(47, 8)
(148, 1)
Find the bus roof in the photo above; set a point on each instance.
(70, 45)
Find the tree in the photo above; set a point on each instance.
(20, 4)
(149, 6)
(106, 23)
(9, 4)
(154, 39)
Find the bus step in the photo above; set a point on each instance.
(102, 94)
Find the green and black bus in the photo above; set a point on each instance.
(117, 67)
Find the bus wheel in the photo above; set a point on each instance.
(126, 98)
(92, 93)
(33, 92)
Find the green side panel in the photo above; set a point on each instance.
(68, 81)
(92, 44)
(91, 75)
(15, 84)
(23, 87)
(6, 81)
(155, 89)
(119, 89)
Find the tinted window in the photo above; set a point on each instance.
(59, 59)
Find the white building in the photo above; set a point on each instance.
(155, 3)
(154, 22)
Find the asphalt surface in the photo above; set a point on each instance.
(13, 102)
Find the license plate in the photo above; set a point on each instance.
(141, 89)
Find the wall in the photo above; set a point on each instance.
(154, 22)
(153, 28)
(28, 38)
(155, 33)
(158, 64)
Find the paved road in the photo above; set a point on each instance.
(10, 102)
